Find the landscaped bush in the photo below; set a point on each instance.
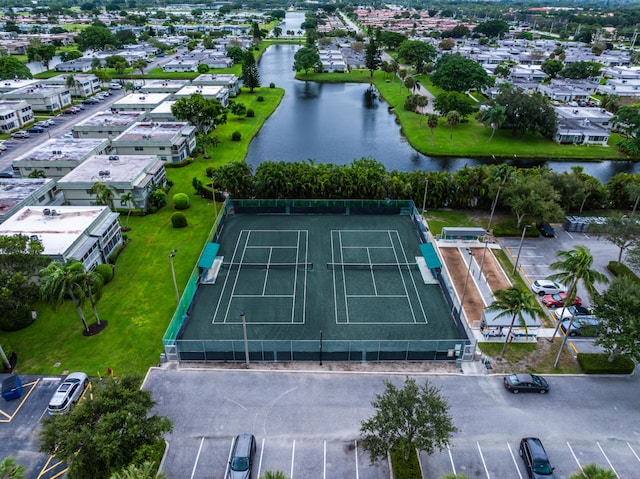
(250, 113)
(594, 363)
(236, 136)
(178, 220)
(106, 271)
(16, 319)
(272, 85)
(181, 201)
(405, 469)
(260, 98)
(510, 228)
(185, 162)
(619, 269)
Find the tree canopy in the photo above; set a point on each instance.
(11, 67)
(457, 73)
(201, 112)
(107, 433)
(250, 73)
(305, 59)
(96, 38)
(527, 113)
(416, 53)
(448, 101)
(492, 28)
(405, 419)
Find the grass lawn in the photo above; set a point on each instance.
(140, 301)
(437, 219)
(467, 139)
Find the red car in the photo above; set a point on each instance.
(70, 111)
(557, 300)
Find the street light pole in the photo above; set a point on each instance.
(524, 230)
(484, 253)
(424, 199)
(173, 274)
(215, 206)
(246, 342)
(466, 282)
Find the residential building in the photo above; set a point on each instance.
(163, 86)
(42, 97)
(219, 93)
(228, 80)
(11, 85)
(106, 124)
(162, 112)
(89, 234)
(135, 174)
(170, 141)
(140, 101)
(16, 193)
(84, 84)
(14, 114)
(57, 157)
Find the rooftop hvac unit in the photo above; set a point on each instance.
(54, 212)
(100, 173)
(33, 237)
(142, 98)
(114, 158)
(107, 172)
(46, 212)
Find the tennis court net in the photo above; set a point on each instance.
(371, 266)
(290, 266)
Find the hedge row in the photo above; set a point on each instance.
(594, 363)
(403, 469)
(619, 269)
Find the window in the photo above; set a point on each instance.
(139, 148)
(162, 148)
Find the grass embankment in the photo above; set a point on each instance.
(469, 139)
(140, 301)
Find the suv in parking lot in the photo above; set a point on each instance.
(68, 393)
(545, 286)
(20, 134)
(244, 448)
(535, 458)
(587, 326)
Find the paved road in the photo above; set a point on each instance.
(307, 424)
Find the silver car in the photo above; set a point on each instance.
(546, 286)
(68, 393)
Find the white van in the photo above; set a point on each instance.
(115, 86)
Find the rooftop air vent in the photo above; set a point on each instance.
(46, 211)
(54, 212)
(33, 237)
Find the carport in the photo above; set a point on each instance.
(462, 233)
(494, 327)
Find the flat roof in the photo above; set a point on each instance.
(9, 85)
(59, 149)
(164, 107)
(152, 130)
(57, 233)
(111, 118)
(15, 190)
(142, 99)
(114, 168)
(168, 83)
(578, 112)
(204, 90)
(207, 77)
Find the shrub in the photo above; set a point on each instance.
(619, 269)
(178, 220)
(250, 113)
(106, 271)
(406, 469)
(16, 319)
(236, 136)
(510, 228)
(598, 363)
(272, 85)
(260, 98)
(181, 201)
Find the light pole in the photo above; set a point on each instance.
(424, 199)
(466, 282)
(246, 342)
(524, 230)
(173, 274)
(484, 253)
(215, 206)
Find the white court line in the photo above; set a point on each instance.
(404, 283)
(293, 456)
(574, 455)
(357, 466)
(608, 461)
(226, 279)
(266, 273)
(483, 462)
(235, 282)
(263, 296)
(513, 457)
(373, 276)
(335, 291)
(324, 463)
(344, 279)
(634, 452)
(377, 296)
(193, 471)
(453, 466)
(261, 455)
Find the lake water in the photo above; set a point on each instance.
(337, 123)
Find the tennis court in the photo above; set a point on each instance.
(354, 283)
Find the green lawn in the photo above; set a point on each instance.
(140, 301)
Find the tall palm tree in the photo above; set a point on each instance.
(432, 124)
(516, 302)
(58, 280)
(9, 469)
(501, 174)
(592, 471)
(453, 118)
(496, 117)
(104, 194)
(574, 267)
(92, 284)
(127, 200)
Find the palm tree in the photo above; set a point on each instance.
(633, 192)
(574, 268)
(516, 302)
(277, 31)
(37, 174)
(104, 194)
(274, 475)
(71, 83)
(592, 471)
(421, 103)
(410, 83)
(432, 123)
(127, 200)
(496, 117)
(453, 118)
(502, 174)
(92, 284)
(58, 280)
(9, 469)
(146, 470)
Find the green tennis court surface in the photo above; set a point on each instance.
(353, 277)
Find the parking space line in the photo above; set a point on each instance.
(574, 455)
(195, 464)
(261, 456)
(453, 466)
(513, 457)
(48, 467)
(484, 464)
(608, 461)
(634, 452)
(324, 462)
(357, 467)
(293, 457)
(10, 417)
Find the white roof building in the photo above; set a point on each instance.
(16, 193)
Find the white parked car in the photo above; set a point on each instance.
(68, 393)
(115, 86)
(546, 286)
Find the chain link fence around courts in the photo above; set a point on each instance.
(352, 350)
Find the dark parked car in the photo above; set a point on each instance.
(35, 129)
(526, 383)
(70, 111)
(535, 458)
(90, 101)
(557, 300)
(587, 326)
(244, 448)
(546, 230)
